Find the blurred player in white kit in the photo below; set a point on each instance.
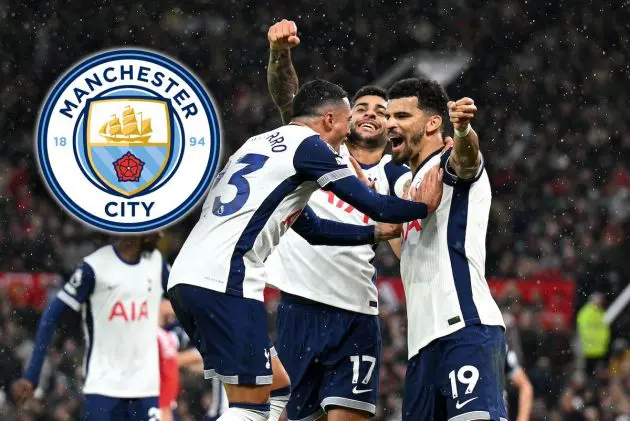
(118, 290)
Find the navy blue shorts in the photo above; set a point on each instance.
(458, 377)
(332, 357)
(230, 333)
(105, 408)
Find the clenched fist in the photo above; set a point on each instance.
(283, 35)
(383, 231)
(461, 112)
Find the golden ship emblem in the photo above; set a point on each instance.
(131, 129)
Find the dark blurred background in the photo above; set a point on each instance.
(550, 82)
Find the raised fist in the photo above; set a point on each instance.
(283, 34)
(461, 112)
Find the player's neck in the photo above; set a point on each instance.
(128, 250)
(426, 148)
(365, 156)
(317, 127)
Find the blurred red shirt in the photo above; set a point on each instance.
(169, 370)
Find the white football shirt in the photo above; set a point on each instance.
(253, 202)
(119, 302)
(340, 276)
(443, 259)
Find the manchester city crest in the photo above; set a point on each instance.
(128, 141)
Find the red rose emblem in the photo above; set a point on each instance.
(128, 167)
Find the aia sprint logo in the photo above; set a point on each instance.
(130, 312)
(128, 141)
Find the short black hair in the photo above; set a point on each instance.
(431, 95)
(312, 95)
(369, 90)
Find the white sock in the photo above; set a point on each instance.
(279, 399)
(242, 414)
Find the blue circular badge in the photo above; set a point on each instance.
(128, 141)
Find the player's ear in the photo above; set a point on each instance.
(433, 123)
(329, 121)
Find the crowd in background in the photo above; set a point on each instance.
(548, 79)
(563, 390)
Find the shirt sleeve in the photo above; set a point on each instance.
(315, 160)
(45, 332)
(377, 206)
(318, 231)
(397, 176)
(79, 288)
(451, 178)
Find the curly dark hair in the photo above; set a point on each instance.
(431, 95)
(369, 90)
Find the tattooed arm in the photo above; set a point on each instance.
(282, 79)
(465, 158)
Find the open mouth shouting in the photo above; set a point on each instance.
(397, 141)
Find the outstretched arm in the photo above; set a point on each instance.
(318, 231)
(45, 332)
(23, 389)
(316, 161)
(465, 158)
(388, 208)
(282, 80)
(74, 293)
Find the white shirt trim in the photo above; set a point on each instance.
(69, 300)
(334, 176)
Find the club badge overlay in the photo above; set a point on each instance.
(128, 141)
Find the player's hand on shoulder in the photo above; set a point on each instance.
(384, 232)
(448, 144)
(430, 190)
(461, 112)
(22, 390)
(282, 35)
(361, 175)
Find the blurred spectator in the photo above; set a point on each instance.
(620, 356)
(594, 332)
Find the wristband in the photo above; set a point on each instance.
(463, 133)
